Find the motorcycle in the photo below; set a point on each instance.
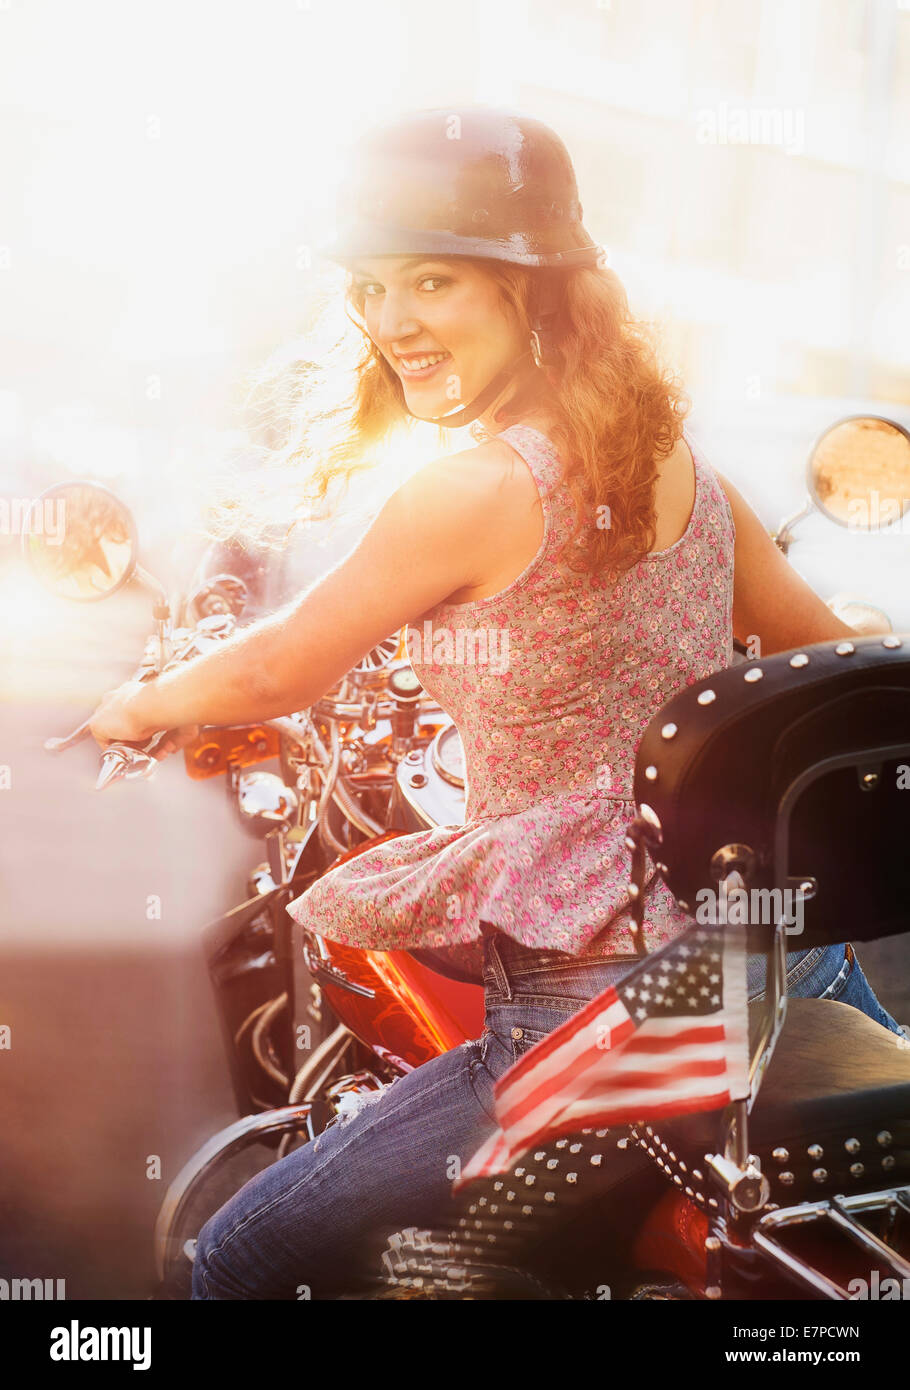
(377, 758)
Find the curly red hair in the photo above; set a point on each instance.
(617, 411)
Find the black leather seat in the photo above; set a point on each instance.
(790, 767)
(838, 1084)
(837, 1081)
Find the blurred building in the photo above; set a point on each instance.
(748, 165)
(745, 161)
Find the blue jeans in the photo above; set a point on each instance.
(314, 1223)
(824, 972)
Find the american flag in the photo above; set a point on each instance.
(670, 1038)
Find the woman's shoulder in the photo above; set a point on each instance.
(714, 490)
(532, 443)
(486, 476)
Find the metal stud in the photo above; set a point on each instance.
(780, 1155)
(552, 1163)
(597, 1159)
(787, 1179)
(844, 649)
(517, 1034)
(527, 1211)
(892, 643)
(651, 772)
(754, 673)
(571, 1177)
(884, 1138)
(540, 1156)
(800, 659)
(819, 1175)
(707, 697)
(815, 1151)
(574, 1148)
(601, 1133)
(530, 1180)
(648, 814)
(519, 1172)
(697, 1175)
(852, 1146)
(857, 1170)
(888, 1161)
(561, 1143)
(549, 1196)
(669, 731)
(662, 868)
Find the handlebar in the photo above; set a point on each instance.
(59, 745)
(126, 761)
(123, 760)
(118, 760)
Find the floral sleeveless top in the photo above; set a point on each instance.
(551, 683)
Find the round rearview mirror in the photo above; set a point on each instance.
(80, 541)
(859, 472)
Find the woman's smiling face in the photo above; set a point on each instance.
(442, 325)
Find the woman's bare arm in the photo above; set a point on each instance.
(439, 532)
(770, 600)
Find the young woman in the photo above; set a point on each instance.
(595, 550)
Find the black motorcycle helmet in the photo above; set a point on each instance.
(480, 182)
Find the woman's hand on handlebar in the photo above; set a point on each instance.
(119, 718)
